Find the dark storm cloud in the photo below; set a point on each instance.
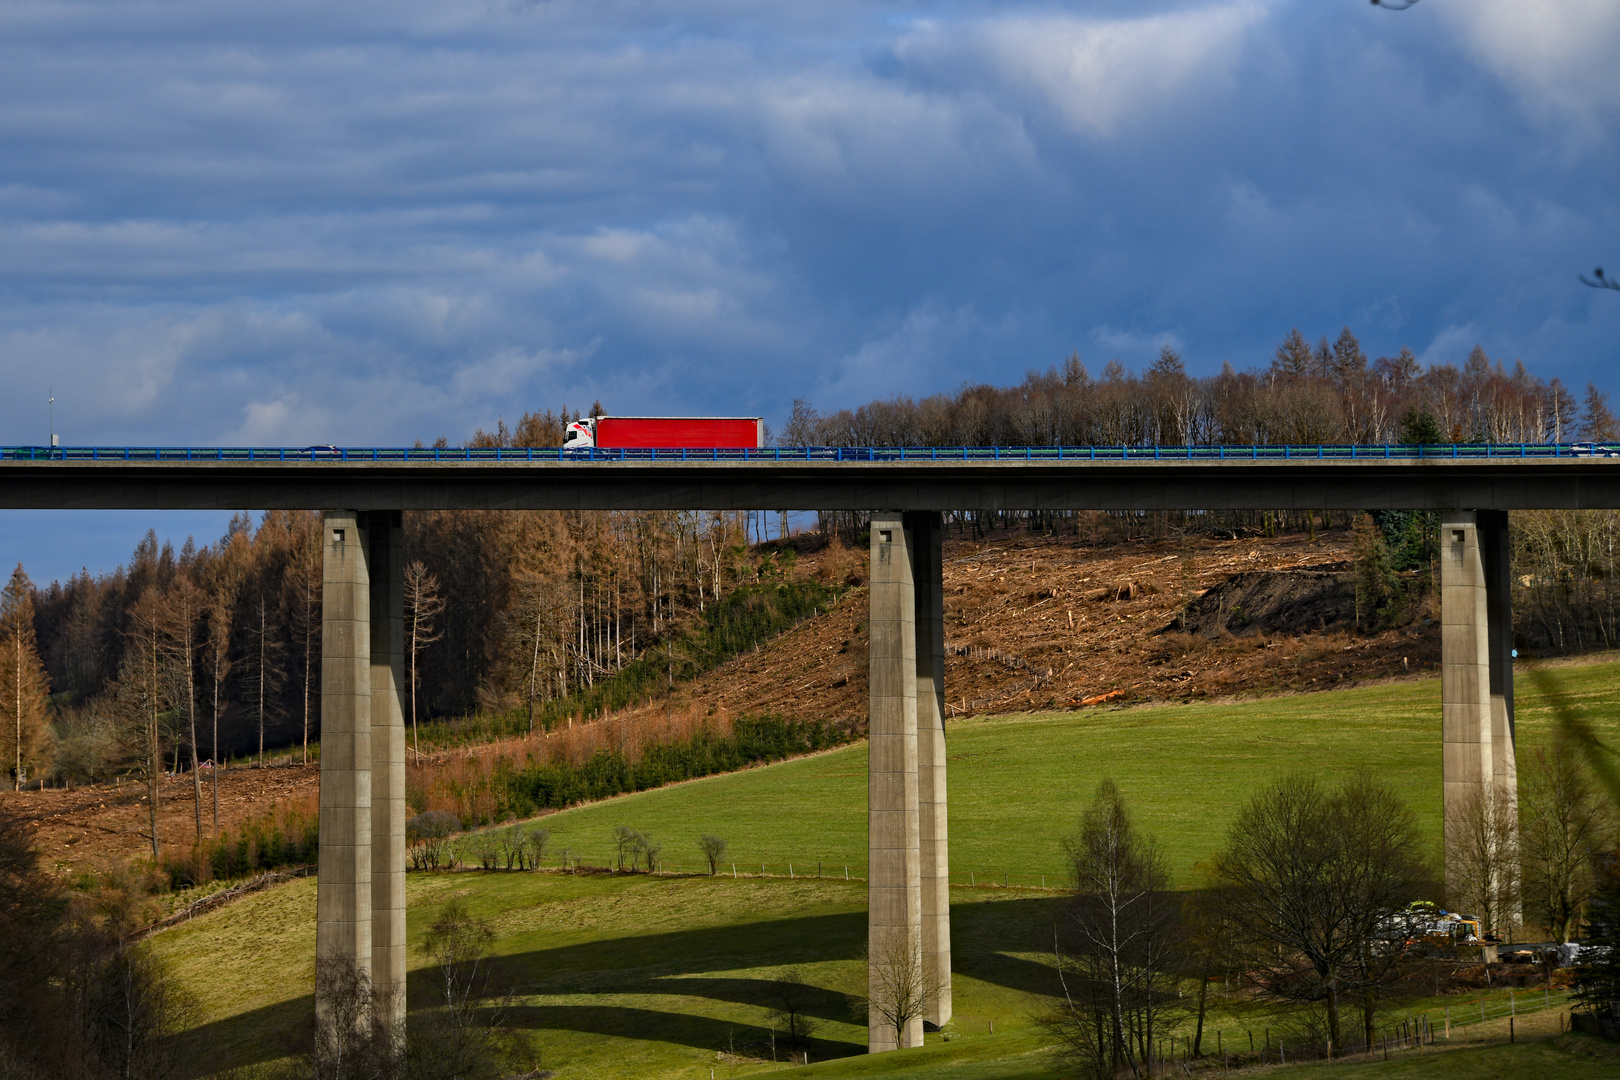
(380, 222)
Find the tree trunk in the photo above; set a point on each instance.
(191, 717)
(1203, 1000)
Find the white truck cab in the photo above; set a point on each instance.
(580, 435)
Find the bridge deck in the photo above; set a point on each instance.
(949, 478)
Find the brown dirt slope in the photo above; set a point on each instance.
(1034, 622)
(1031, 623)
(91, 828)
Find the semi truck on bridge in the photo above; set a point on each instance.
(665, 432)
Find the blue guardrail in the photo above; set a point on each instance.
(317, 454)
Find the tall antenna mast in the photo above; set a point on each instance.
(50, 405)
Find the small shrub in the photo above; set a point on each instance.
(428, 835)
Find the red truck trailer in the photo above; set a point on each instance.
(658, 432)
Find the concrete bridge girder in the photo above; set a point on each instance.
(1137, 484)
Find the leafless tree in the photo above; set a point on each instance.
(899, 984)
(536, 839)
(628, 845)
(24, 686)
(138, 1016)
(144, 690)
(1117, 944)
(182, 611)
(265, 672)
(221, 614)
(349, 1043)
(423, 605)
(464, 1036)
(305, 619)
(1564, 827)
(714, 849)
(1312, 879)
(651, 850)
(428, 836)
(1482, 859)
(789, 997)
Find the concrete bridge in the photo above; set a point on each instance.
(361, 891)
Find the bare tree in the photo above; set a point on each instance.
(714, 849)
(464, 1037)
(305, 617)
(789, 999)
(1563, 829)
(1117, 944)
(536, 840)
(1482, 859)
(899, 985)
(423, 605)
(1312, 880)
(428, 835)
(651, 851)
(265, 673)
(349, 1044)
(145, 693)
(221, 615)
(24, 686)
(628, 844)
(182, 611)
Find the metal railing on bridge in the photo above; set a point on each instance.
(809, 453)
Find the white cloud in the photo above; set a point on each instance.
(1563, 56)
(1096, 74)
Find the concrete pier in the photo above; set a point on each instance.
(894, 913)
(343, 909)
(927, 535)
(1496, 553)
(1476, 673)
(386, 536)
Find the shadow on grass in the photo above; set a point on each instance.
(676, 964)
(699, 1032)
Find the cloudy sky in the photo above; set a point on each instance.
(373, 222)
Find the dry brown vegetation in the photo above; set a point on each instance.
(1031, 622)
(1054, 622)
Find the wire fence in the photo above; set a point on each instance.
(1460, 1021)
(484, 851)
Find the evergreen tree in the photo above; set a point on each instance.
(1294, 358)
(1377, 586)
(1349, 361)
(24, 688)
(1420, 427)
(1599, 425)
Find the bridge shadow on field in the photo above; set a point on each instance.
(686, 964)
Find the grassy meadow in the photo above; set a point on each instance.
(1018, 783)
(653, 976)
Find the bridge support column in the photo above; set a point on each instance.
(386, 535)
(894, 890)
(927, 537)
(1479, 770)
(343, 906)
(360, 894)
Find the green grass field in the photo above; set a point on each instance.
(664, 976)
(1019, 783)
